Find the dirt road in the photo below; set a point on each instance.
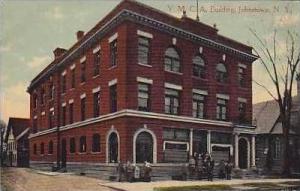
(22, 179)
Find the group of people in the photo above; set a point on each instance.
(201, 165)
(225, 168)
(131, 172)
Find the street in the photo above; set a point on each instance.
(24, 179)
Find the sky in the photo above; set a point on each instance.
(31, 30)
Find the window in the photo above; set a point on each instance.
(71, 113)
(73, 78)
(34, 149)
(171, 101)
(42, 148)
(51, 90)
(82, 145)
(63, 84)
(241, 77)
(34, 126)
(221, 109)
(198, 67)
(242, 112)
(72, 145)
(143, 50)
(175, 134)
(42, 96)
(113, 53)
(35, 100)
(198, 106)
(113, 98)
(96, 104)
(50, 148)
(63, 120)
(82, 105)
(83, 72)
(221, 138)
(277, 149)
(143, 97)
(96, 143)
(221, 73)
(172, 60)
(51, 119)
(97, 60)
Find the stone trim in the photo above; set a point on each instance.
(144, 34)
(173, 86)
(144, 80)
(198, 91)
(113, 82)
(113, 37)
(223, 96)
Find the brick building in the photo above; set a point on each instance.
(143, 85)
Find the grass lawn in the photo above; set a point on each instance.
(195, 188)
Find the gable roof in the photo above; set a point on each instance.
(266, 117)
(18, 125)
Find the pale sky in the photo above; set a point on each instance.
(31, 30)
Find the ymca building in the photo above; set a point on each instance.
(143, 85)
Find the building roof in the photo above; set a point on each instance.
(266, 117)
(18, 125)
(141, 13)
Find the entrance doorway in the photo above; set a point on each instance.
(144, 148)
(113, 148)
(243, 154)
(63, 153)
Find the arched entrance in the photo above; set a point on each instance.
(243, 153)
(144, 147)
(113, 145)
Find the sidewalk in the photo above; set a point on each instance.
(149, 186)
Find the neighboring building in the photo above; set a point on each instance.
(143, 86)
(17, 143)
(269, 142)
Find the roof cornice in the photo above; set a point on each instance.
(150, 22)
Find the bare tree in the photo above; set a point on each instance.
(2, 129)
(282, 71)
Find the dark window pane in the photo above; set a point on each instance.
(96, 143)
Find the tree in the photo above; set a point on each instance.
(2, 129)
(282, 71)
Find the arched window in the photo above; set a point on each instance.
(96, 143)
(172, 60)
(198, 67)
(50, 147)
(35, 99)
(42, 96)
(42, 148)
(221, 73)
(34, 149)
(82, 145)
(72, 145)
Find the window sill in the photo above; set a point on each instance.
(95, 153)
(62, 94)
(172, 72)
(72, 89)
(49, 154)
(82, 83)
(83, 153)
(146, 65)
(112, 67)
(96, 76)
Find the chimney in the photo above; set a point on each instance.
(58, 52)
(79, 35)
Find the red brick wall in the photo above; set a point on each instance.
(126, 127)
(187, 50)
